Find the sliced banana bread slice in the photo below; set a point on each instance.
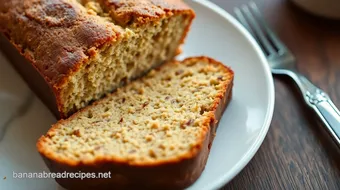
(154, 133)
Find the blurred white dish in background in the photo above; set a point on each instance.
(324, 8)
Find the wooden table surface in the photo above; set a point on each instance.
(297, 152)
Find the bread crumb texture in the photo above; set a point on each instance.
(163, 116)
(151, 36)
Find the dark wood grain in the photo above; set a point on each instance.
(297, 152)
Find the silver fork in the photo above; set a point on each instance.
(282, 62)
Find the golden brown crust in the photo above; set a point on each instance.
(126, 12)
(177, 173)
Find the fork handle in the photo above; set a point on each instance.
(328, 113)
(322, 105)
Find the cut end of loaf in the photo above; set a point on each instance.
(163, 117)
(141, 47)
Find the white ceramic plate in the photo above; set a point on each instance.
(23, 118)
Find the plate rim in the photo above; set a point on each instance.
(247, 157)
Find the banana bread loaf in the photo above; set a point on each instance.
(154, 133)
(80, 50)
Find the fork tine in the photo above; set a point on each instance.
(240, 17)
(257, 29)
(243, 20)
(279, 45)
